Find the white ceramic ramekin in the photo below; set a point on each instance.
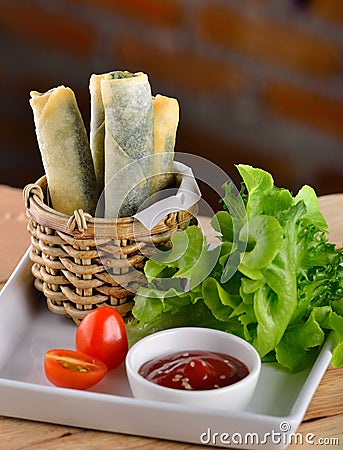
(232, 398)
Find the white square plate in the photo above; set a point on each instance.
(28, 329)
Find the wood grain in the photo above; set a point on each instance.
(323, 419)
(13, 236)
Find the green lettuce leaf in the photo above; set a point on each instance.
(274, 280)
(300, 345)
(266, 235)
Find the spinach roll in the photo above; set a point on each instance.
(166, 119)
(129, 141)
(65, 150)
(97, 129)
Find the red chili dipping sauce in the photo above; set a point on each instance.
(194, 370)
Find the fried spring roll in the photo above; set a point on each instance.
(129, 125)
(166, 119)
(65, 151)
(97, 129)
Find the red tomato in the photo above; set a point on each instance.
(102, 334)
(71, 369)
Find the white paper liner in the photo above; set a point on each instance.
(187, 195)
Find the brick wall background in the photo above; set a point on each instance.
(258, 81)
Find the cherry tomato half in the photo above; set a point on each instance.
(71, 369)
(102, 334)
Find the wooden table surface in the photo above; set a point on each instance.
(324, 417)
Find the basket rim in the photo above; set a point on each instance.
(37, 210)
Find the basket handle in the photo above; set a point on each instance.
(29, 191)
(76, 222)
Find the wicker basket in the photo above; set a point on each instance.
(81, 262)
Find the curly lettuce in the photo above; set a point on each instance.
(275, 280)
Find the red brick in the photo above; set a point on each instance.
(156, 12)
(180, 68)
(10, 132)
(226, 153)
(304, 106)
(270, 41)
(331, 10)
(257, 2)
(329, 178)
(47, 28)
(20, 161)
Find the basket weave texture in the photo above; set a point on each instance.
(81, 262)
